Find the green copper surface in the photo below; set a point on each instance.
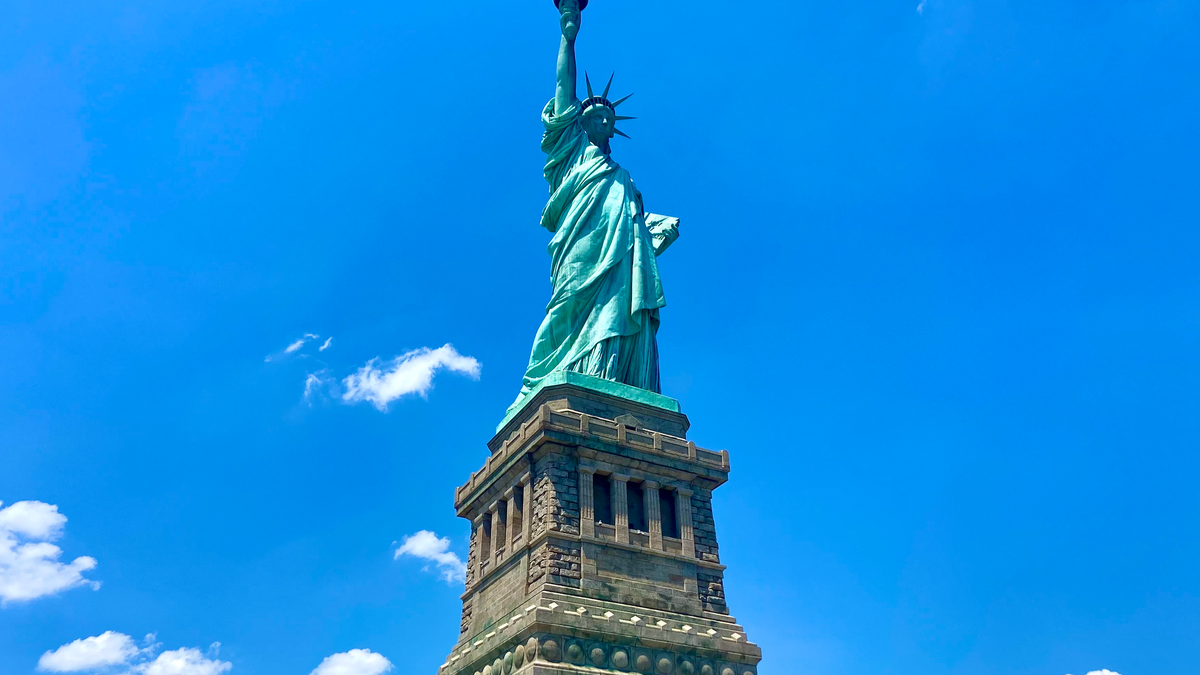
(595, 384)
(602, 318)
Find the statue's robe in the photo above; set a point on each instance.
(602, 319)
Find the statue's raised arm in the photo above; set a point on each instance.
(602, 318)
(570, 13)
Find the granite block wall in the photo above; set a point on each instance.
(499, 596)
(704, 527)
(555, 495)
(465, 623)
(556, 561)
(472, 556)
(711, 585)
(633, 578)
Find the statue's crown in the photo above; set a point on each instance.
(595, 101)
(592, 101)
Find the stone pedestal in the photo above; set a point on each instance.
(606, 558)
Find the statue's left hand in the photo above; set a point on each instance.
(664, 230)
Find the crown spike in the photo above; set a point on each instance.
(623, 117)
(621, 100)
(589, 83)
(608, 86)
(618, 131)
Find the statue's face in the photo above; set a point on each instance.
(598, 124)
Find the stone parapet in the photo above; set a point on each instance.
(575, 427)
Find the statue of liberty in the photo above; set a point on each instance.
(602, 318)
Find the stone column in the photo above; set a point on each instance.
(481, 549)
(653, 514)
(587, 503)
(494, 509)
(620, 506)
(683, 515)
(526, 508)
(508, 528)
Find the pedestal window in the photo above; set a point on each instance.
(602, 497)
(636, 501)
(666, 508)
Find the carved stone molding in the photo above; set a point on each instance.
(554, 649)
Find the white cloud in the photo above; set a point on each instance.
(411, 373)
(426, 545)
(353, 662)
(295, 347)
(107, 649)
(921, 10)
(35, 520)
(29, 566)
(328, 341)
(116, 649)
(1103, 671)
(184, 661)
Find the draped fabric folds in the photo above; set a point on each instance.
(603, 315)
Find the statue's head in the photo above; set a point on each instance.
(599, 122)
(599, 115)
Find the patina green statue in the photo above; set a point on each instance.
(602, 318)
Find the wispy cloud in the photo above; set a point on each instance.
(29, 566)
(297, 345)
(110, 648)
(353, 662)
(378, 382)
(300, 343)
(311, 384)
(314, 383)
(411, 373)
(921, 7)
(1103, 671)
(428, 546)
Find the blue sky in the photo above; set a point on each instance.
(936, 292)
